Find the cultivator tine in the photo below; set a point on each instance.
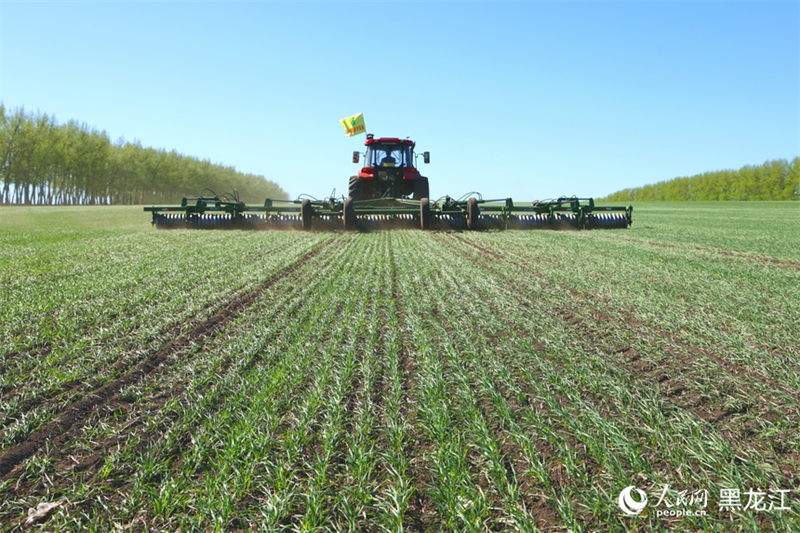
(528, 222)
(327, 223)
(605, 221)
(283, 222)
(225, 221)
(449, 222)
(495, 222)
(168, 221)
(387, 222)
(566, 222)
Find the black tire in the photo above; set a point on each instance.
(306, 214)
(355, 188)
(349, 214)
(421, 189)
(425, 213)
(473, 213)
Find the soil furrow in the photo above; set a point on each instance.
(677, 348)
(102, 395)
(753, 258)
(91, 463)
(673, 386)
(52, 396)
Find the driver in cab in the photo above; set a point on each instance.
(388, 161)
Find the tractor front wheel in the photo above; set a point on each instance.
(421, 189)
(355, 188)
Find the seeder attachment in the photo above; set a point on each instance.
(562, 213)
(226, 212)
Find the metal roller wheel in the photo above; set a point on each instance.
(425, 213)
(349, 214)
(473, 213)
(306, 214)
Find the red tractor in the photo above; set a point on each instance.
(389, 171)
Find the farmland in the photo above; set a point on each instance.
(400, 381)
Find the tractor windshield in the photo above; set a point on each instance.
(389, 155)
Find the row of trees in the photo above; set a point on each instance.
(777, 179)
(43, 163)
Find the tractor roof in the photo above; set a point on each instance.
(387, 140)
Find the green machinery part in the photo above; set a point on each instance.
(220, 212)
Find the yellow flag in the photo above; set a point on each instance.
(354, 125)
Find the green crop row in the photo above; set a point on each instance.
(400, 381)
(76, 324)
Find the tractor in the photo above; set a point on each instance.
(389, 192)
(389, 171)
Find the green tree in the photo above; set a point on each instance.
(42, 162)
(776, 179)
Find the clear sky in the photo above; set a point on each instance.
(526, 99)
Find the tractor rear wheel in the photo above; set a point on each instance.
(355, 188)
(349, 214)
(305, 214)
(473, 213)
(425, 213)
(421, 189)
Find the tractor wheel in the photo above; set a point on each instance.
(306, 212)
(425, 213)
(473, 213)
(349, 214)
(355, 188)
(421, 189)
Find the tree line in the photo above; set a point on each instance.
(43, 162)
(777, 179)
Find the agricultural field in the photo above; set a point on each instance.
(401, 381)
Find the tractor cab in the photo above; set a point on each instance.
(389, 152)
(387, 155)
(388, 170)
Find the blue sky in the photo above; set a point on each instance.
(526, 99)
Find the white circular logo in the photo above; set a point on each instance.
(628, 504)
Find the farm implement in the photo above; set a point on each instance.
(389, 192)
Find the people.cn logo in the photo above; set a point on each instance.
(628, 504)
